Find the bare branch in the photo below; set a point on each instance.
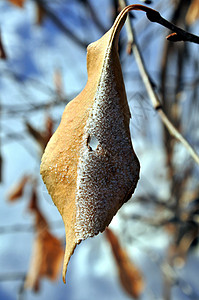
(49, 13)
(146, 79)
(12, 276)
(154, 16)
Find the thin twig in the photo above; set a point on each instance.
(50, 14)
(12, 276)
(154, 16)
(17, 228)
(152, 94)
(94, 15)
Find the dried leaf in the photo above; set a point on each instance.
(46, 261)
(89, 166)
(48, 253)
(18, 188)
(2, 50)
(193, 12)
(40, 14)
(40, 221)
(130, 277)
(178, 251)
(41, 138)
(19, 3)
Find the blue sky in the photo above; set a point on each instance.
(34, 54)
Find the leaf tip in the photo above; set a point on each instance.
(64, 275)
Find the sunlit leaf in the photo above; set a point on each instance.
(130, 276)
(17, 190)
(89, 166)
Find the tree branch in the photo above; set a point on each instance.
(155, 17)
(49, 13)
(12, 276)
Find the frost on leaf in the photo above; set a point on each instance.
(89, 165)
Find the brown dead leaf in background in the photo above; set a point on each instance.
(89, 166)
(2, 50)
(193, 12)
(47, 253)
(40, 221)
(17, 190)
(130, 277)
(40, 14)
(40, 137)
(179, 249)
(46, 261)
(19, 3)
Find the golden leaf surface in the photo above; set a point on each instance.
(130, 276)
(89, 165)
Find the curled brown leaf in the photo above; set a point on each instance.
(130, 276)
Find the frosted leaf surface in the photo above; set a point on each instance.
(108, 174)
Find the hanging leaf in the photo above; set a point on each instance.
(47, 254)
(46, 261)
(193, 12)
(18, 189)
(130, 277)
(19, 3)
(89, 166)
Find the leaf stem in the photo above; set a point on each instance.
(146, 79)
